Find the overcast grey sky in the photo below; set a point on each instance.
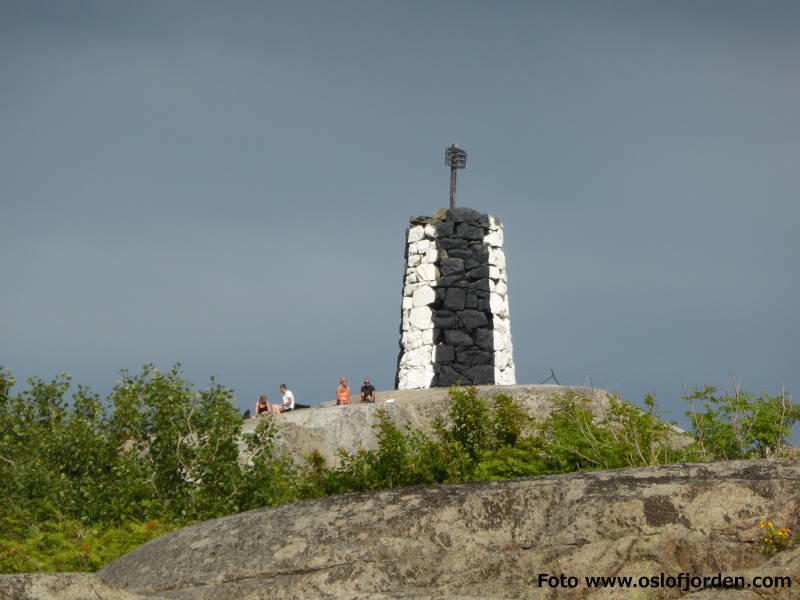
(227, 184)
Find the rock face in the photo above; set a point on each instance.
(478, 540)
(60, 586)
(485, 540)
(326, 428)
(455, 324)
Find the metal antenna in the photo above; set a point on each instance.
(455, 158)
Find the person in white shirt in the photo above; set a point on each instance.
(288, 401)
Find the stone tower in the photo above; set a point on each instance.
(455, 321)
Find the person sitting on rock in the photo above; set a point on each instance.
(343, 392)
(262, 406)
(367, 391)
(288, 401)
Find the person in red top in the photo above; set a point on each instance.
(343, 392)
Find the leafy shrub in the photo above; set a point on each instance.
(86, 479)
(572, 438)
(740, 425)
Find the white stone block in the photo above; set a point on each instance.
(406, 320)
(423, 296)
(409, 288)
(499, 340)
(415, 379)
(418, 357)
(426, 272)
(421, 317)
(502, 341)
(420, 247)
(494, 272)
(414, 339)
(416, 233)
(414, 260)
(505, 376)
(411, 276)
(500, 287)
(501, 359)
(494, 238)
(431, 256)
(501, 325)
(498, 304)
(494, 223)
(408, 304)
(430, 231)
(497, 258)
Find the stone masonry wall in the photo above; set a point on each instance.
(455, 322)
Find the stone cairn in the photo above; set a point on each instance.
(455, 321)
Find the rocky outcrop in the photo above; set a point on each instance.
(486, 540)
(478, 540)
(327, 428)
(60, 586)
(455, 323)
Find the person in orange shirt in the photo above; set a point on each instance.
(343, 392)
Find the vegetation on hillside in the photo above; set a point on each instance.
(85, 480)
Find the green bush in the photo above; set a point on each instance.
(155, 451)
(741, 425)
(86, 479)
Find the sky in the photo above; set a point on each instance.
(227, 185)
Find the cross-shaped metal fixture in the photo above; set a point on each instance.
(455, 158)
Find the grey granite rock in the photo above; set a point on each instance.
(484, 540)
(63, 586)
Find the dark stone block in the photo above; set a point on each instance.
(419, 220)
(444, 282)
(483, 304)
(472, 357)
(447, 321)
(452, 266)
(479, 273)
(449, 244)
(443, 228)
(477, 245)
(440, 292)
(471, 301)
(472, 319)
(483, 221)
(454, 337)
(458, 253)
(478, 257)
(471, 262)
(484, 339)
(448, 376)
(455, 298)
(463, 214)
(478, 284)
(469, 232)
(480, 374)
(437, 335)
(444, 354)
